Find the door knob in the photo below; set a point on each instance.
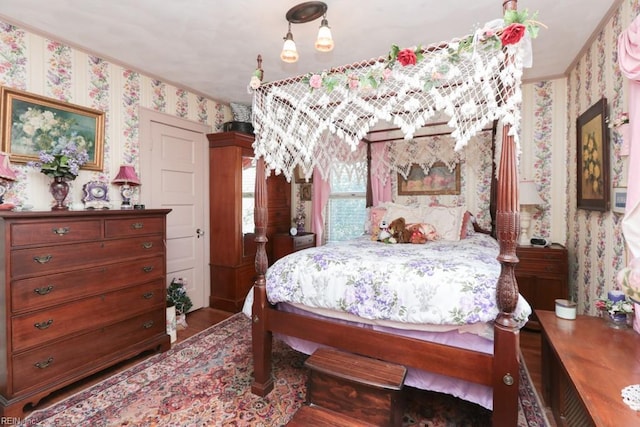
(199, 233)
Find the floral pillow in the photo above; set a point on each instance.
(411, 214)
(447, 220)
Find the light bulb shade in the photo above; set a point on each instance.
(324, 41)
(126, 176)
(6, 172)
(529, 193)
(289, 52)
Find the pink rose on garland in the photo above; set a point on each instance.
(407, 57)
(315, 81)
(354, 82)
(512, 34)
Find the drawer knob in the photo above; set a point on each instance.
(147, 245)
(43, 290)
(148, 324)
(137, 226)
(44, 364)
(42, 259)
(147, 295)
(61, 231)
(43, 325)
(147, 268)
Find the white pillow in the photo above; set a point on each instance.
(447, 220)
(411, 214)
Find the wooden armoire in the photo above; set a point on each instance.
(232, 250)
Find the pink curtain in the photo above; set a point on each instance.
(629, 61)
(321, 191)
(380, 192)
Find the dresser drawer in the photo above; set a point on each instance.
(60, 258)
(59, 231)
(44, 291)
(537, 266)
(66, 357)
(39, 327)
(128, 227)
(303, 242)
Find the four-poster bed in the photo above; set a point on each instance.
(473, 81)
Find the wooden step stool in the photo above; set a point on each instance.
(315, 416)
(365, 389)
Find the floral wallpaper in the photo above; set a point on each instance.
(49, 68)
(594, 239)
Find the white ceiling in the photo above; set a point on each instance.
(210, 46)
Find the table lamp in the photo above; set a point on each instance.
(7, 175)
(528, 197)
(126, 178)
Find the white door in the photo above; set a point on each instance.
(175, 176)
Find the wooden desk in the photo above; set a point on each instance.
(585, 366)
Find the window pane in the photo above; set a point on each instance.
(347, 205)
(346, 218)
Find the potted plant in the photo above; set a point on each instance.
(177, 297)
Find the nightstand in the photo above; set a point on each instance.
(542, 275)
(285, 244)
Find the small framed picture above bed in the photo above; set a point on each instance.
(439, 180)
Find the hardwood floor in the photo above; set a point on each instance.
(198, 320)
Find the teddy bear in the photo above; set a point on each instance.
(422, 233)
(399, 231)
(384, 235)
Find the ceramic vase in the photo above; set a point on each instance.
(59, 190)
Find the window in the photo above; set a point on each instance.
(346, 210)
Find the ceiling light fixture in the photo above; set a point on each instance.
(289, 52)
(324, 41)
(299, 14)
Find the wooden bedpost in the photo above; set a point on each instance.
(506, 365)
(261, 336)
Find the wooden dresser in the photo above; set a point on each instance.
(543, 277)
(585, 366)
(233, 250)
(83, 290)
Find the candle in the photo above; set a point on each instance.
(615, 295)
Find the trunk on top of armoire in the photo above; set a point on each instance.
(232, 248)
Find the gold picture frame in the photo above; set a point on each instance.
(24, 134)
(592, 156)
(439, 181)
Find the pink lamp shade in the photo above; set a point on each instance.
(6, 172)
(126, 176)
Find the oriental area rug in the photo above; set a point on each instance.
(206, 381)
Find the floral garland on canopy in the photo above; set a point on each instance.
(467, 79)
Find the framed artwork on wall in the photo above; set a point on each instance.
(305, 192)
(439, 180)
(592, 155)
(299, 176)
(32, 123)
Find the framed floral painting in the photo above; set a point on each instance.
(439, 180)
(32, 123)
(592, 156)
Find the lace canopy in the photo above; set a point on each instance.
(470, 82)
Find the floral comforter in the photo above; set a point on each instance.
(439, 283)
